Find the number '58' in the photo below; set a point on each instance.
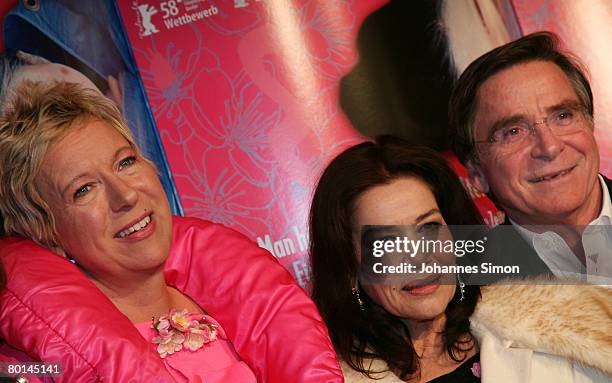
(169, 8)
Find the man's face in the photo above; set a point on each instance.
(547, 178)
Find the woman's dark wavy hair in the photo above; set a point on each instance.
(373, 332)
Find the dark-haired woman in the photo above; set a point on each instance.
(430, 331)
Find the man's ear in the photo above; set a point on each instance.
(476, 176)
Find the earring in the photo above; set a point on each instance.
(355, 292)
(461, 288)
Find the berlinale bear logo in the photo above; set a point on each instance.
(145, 26)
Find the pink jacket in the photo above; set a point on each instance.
(53, 313)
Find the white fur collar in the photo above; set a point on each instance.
(571, 321)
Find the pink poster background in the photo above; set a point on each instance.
(585, 26)
(245, 96)
(5, 7)
(246, 103)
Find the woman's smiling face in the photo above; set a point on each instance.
(110, 210)
(404, 201)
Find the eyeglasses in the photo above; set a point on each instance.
(563, 121)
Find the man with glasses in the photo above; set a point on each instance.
(521, 119)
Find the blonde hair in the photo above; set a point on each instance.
(39, 115)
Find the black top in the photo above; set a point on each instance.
(462, 374)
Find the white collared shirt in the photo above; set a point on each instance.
(596, 241)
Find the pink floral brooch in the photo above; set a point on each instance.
(181, 329)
